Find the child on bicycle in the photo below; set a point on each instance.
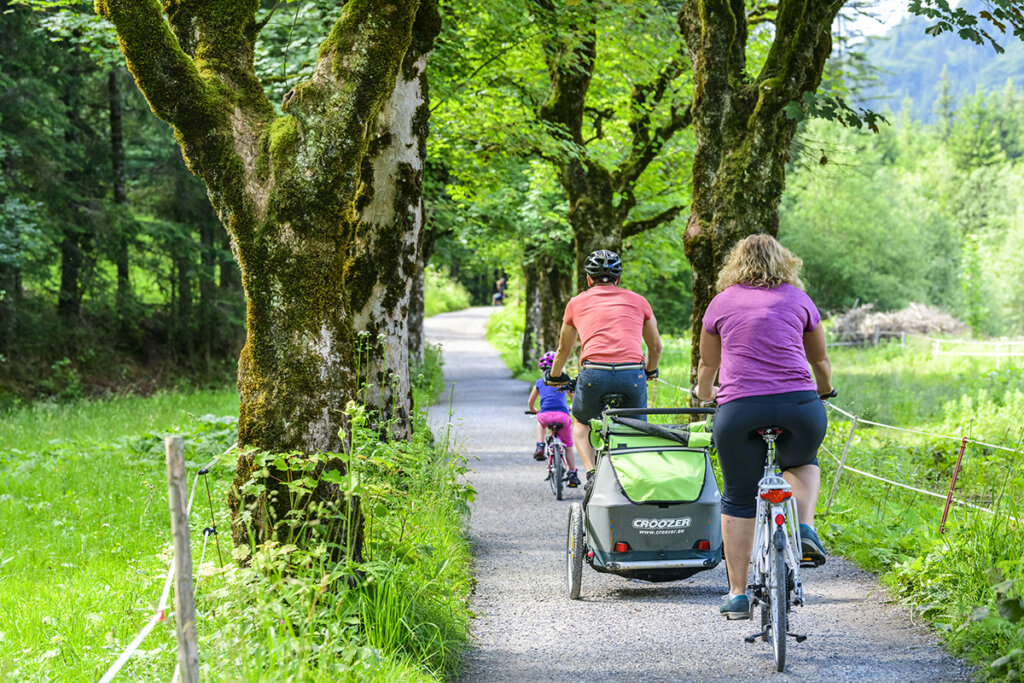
(553, 410)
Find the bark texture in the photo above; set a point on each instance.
(743, 136)
(548, 288)
(322, 204)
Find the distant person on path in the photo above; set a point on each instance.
(610, 322)
(499, 296)
(759, 334)
(553, 410)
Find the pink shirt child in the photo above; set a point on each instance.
(762, 333)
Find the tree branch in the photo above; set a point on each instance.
(166, 75)
(632, 228)
(803, 40)
(355, 74)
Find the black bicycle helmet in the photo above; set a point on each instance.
(603, 266)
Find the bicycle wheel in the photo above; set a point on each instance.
(776, 595)
(574, 552)
(555, 470)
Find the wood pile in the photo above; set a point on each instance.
(863, 325)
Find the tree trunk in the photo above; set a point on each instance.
(743, 134)
(207, 304)
(121, 238)
(324, 207)
(548, 289)
(69, 298)
(601, 198)
(417, 294)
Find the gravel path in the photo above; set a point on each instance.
(527, 629)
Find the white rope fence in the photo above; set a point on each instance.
(161, 609)
(948, 497)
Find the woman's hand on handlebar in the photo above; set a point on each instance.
(705, 402)
(831, 394)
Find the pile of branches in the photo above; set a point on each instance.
(863, 325)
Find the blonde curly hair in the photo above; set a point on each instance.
(760, 261)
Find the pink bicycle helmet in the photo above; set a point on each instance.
(546, 360)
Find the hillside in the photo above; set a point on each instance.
(909, 63)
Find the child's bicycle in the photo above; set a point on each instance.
(554, 453)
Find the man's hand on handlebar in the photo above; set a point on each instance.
(556, 381)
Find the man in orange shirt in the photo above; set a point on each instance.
(610, 322)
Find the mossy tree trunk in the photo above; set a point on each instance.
(602, 198)
(322, 205)
(743, 135)
(548, 288)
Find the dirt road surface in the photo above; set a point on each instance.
(527, 629)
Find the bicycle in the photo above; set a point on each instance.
(554, 453)
(776, 568)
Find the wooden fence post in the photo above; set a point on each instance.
(842, 464)
(952, 485)
(184, 598)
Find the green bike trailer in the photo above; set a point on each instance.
(655, 509)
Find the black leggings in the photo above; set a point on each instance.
(741, 450)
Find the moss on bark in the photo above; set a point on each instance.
(287, 189)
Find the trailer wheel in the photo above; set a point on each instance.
(574, 549)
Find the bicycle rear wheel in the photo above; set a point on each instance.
(555, 471)
(776, 594)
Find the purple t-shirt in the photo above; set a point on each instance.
(762, 333)
(551, 399)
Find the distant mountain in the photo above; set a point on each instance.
(908, 63)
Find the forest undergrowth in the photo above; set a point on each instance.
(968, 582)
(85, 546)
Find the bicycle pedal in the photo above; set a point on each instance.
(753, 638)
(797, 637)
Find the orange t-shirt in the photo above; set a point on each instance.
(610, 321)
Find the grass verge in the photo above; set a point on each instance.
(84, 549)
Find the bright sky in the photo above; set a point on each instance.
(887, 13)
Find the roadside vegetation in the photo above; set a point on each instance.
(85, 546)
(443, 293)
(968, 582)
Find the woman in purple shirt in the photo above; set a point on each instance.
(759, 335)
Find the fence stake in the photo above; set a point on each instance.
(952, 485)
(184, 598)
(842, 463)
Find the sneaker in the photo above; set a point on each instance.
(538, 453)
(572, 480)
(811, 549)
(735, 607)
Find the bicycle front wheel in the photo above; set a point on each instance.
(776, 594)
(555, 470)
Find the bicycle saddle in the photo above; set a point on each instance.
(613, 400)
(770, 430)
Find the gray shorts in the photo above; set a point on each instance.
(593, 383)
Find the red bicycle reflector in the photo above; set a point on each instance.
(590, 554)
(776, 495)
(621, 547)
(780, 519)
(703, 545)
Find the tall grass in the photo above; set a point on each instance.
(84, 547)
(443, 294)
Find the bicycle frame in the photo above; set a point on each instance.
(771, 488)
